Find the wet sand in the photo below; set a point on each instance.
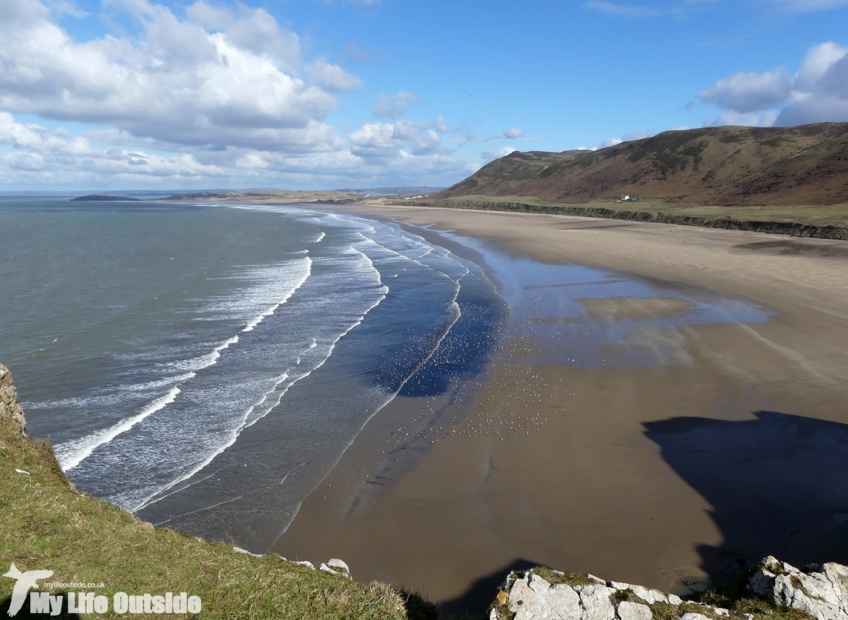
(657, 437)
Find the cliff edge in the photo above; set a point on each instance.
(10, 410)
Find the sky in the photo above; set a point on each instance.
(331, 94)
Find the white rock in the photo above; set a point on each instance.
(305, 563)
(533, 598)
(339, 565)
(240, 550)
(332, 571)
(596, 603)
(822, 592)
(721, 612)
(649, 596)
(693, 616)
(675, 600)
(634, 611)
(618, 585)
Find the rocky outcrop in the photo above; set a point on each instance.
(529, 596)
(819, 590)
(10, 410)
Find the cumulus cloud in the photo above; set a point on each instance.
(376, 142)
(817, 92)
(497, 153)
(333, 77)
(513, 133)
(220, 97)
(749, 92)
(180, 83)
(393, 106)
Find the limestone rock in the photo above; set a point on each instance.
(339, 565)
(9, 407)
(821, 591)
(634, 611)
(693, 616)
(649, 596)
(305, 563)
(596, 602)
(336, 567)
(532, 598)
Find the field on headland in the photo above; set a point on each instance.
(821, 221)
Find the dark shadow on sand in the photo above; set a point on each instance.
(482, 593)
(777, 485)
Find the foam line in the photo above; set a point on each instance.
(247, 419)
(71, 455)
(272, 309)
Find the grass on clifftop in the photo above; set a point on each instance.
(47, 525)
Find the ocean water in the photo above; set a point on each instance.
(206, 366)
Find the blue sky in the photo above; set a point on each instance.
(314, 94)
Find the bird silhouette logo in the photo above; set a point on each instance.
(25, 582)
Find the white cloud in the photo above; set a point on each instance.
(748, 119)
(513, 133)
(393, 106)
(178, 84)
(496, 153)
(220, 97)
(749, 92)
(817, 92)
(610, 142)
(376, 142)
(333, 78)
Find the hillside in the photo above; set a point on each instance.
(806, 165)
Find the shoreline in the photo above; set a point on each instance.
(603, 483)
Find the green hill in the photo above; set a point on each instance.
(805, 165)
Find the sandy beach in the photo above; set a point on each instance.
(657, 439)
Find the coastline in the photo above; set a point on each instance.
(642, 473)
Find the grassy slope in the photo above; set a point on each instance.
(825, 221)
(797, 174)
(47, 525)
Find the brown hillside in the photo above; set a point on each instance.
(720, 166)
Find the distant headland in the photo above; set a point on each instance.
(103, 198)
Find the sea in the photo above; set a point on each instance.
(205, 365)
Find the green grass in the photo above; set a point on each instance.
(47, 525)
(772, 219)
(818, 215)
